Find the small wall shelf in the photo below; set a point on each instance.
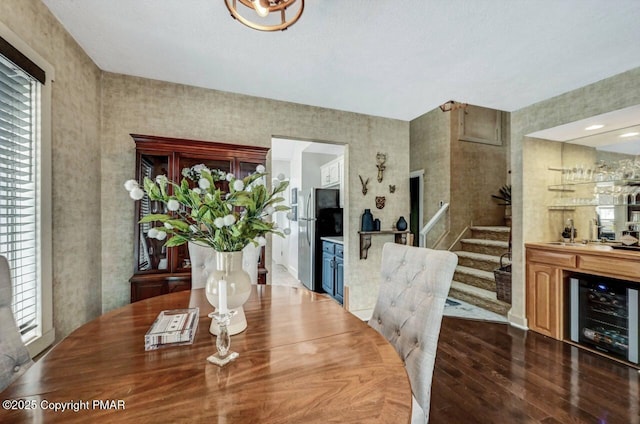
(365, 239)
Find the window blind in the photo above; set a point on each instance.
(19, 232)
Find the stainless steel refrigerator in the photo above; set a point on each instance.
(320, 215)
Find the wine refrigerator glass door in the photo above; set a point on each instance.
(604, 316)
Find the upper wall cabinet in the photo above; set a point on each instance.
(332, 175)
(331, 172)
(480, 125)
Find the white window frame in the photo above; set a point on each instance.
(46, 335)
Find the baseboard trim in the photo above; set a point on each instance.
(517, 321)
(363, 314)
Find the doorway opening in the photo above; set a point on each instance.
(305, 164)
(416, 186)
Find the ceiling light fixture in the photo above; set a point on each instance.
(594, 127)
(260, 13)
(629, 134)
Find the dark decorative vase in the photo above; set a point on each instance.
(367, 221)
(376, 224)
(401, 225)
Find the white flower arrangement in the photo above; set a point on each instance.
(207, 215)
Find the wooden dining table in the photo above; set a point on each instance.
(303, 359)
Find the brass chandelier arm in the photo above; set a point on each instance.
(232, 5)
(283, 4)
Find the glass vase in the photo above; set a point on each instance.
(228, 269)
(367, 221)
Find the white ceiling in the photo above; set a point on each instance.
(619, 131)
(396, 59)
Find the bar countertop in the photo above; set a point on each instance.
(591, 248)
(333, 239)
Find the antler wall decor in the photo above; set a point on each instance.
(452, 105)
(381, 158)
(364, 185)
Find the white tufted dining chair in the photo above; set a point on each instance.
(203, 263)
(14, 357)
(408, 313)
(200, 268)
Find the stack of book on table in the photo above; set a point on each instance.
(173, 327)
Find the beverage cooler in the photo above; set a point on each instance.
(604, 315)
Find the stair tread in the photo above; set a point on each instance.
(485, 299)
(476, 291)
(478, 256)
(483, 242)
(496, 229)
(483, 257)
(487, 275)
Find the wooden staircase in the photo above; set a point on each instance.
(474, 281)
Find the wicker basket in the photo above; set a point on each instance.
(503, 280)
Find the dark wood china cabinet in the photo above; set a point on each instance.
(159, 270)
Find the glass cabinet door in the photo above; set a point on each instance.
(225, 165)
(151, 254)
(246, 168)
(182, 263)
(187, 162)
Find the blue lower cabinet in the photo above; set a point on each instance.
(333, 270)
(339, 294)
(327, 272)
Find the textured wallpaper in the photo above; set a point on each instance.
(75, 162)
(142, 106)
(431, 151)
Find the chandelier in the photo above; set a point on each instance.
(265, 15)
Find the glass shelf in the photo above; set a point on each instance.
(562, 187)
(570, 185)
(561, 208)
(577, 205)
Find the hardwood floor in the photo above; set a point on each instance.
(494, 373)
